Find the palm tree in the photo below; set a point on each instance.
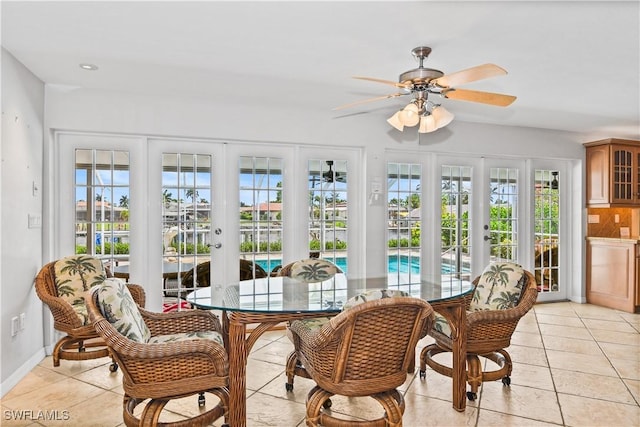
(191, 194)
(124, 201)
(167, 197)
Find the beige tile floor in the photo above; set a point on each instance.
(574, 365)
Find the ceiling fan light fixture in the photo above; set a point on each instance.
(427, 124)
(421, 82)
(410, 115)
(396, 122)
(442, 116)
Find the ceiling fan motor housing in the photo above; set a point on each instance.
(419, 76)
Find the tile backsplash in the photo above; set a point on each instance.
(607, 225)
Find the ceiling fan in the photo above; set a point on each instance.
(327, 177)
(421, 82)
(331, 175)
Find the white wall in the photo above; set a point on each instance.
(21, 251)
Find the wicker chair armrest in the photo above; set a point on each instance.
(162, 353)
(62, 311)
(178, 322)
(528, 299)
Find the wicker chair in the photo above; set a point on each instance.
(202, 275)
(81, 341)
(488, 330)
(250, 270)
(163, 356)
(363, 351)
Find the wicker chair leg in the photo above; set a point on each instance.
(294, 368)
(315, 403)
(503, 360)
(290, 370)
(426, 358)
(69, 348)
(151, 413)
(393, 404)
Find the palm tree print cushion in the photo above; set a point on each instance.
(373, 294)
(118, 307)
(200, 335)
(317, 323)
(312, 324)
(441, 325)
(313, 270)
(74, 275)
(499, 288)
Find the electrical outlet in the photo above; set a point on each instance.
(14, 326)
(23, 317)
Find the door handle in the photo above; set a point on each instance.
(487, 238)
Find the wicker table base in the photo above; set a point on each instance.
(239, 341)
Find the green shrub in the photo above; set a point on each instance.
(247, 247)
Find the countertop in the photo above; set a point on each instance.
(635, 239)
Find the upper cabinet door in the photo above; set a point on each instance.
(613, 173)
(597, 158)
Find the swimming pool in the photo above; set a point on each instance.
(395, 264)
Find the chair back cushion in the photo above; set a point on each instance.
(74, 275)
(499, 287)
(373, 294)
(313, 270)
(117, 306)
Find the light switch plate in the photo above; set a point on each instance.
(593, 219)
(35, 221)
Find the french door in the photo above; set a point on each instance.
(502, 210)
(153, 209)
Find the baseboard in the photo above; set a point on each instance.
(21, 372)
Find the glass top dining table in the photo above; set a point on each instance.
(287, 295)
(267, 302)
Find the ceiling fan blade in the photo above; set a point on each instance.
(364, 101)
(470, 75)
(387, 82)
(490, 98)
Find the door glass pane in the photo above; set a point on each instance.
(261, 186)
(404, 221)
(328, 211)
(186, 222)
(547, 224)
(454, 222)
(102, 206)
(503, 214)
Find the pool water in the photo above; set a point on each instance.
(395, 264)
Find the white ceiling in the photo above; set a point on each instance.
(573, 65)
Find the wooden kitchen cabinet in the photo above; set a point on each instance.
(613, 173)
(613, 273)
